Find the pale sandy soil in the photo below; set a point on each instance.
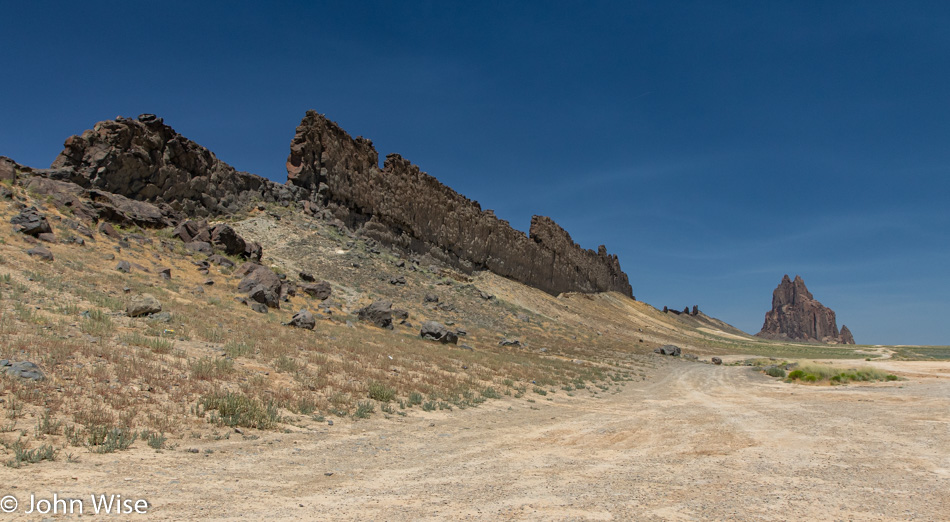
(693, 442)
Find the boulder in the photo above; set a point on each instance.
(303, 319)
(220, 260)
(319, 290)
(307, 277)
(716, 360)
(22, 370)
(143, 305)
(669, 349)
(40, 252)
(190, 230)
(108, 230)
(380, 313)
(434, 331)
(400, 315)
(199, 247)
(261, 284)
(430, 298)
(31, 222)
(124, 266)
(510, 342)
(224, 237)
(400, 280)
(259, 308)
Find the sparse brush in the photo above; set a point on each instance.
(210, 368)
(116, 439)
(22, 456)
(234, 409)
(363, 410)
(380, 392)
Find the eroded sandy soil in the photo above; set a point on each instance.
(693, 442)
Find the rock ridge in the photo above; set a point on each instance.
(335, 176)
(402, 206)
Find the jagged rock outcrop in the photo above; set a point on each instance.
(844, 336)
(796, 315)
(141, 171)
(146, 160)
(404, 207)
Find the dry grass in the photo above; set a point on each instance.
(211, 356)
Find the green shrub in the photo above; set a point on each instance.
(775, 371)
(382, 393)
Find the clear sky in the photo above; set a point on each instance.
(714, 146)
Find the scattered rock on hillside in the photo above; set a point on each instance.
(260, 283)
(430, 298)
(307, 277)
(380, 313)
(303, 319)
(227, 239)
(434, 331)
(31, 222)
(669, 349)
(165, 273)
(22, 370)
(509, 342)
(124, 266)
(191, 230)
(259, 308)
(319, 290)
(220, 260)
(40, 252)
(716, 360)
(108, 230)
(401, 280)
(143, 305)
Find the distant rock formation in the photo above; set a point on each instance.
(796, 315)
(404, 207)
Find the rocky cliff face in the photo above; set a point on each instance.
(796, 315)
(405, 207)
(146, 160)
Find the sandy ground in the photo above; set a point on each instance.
(693, 442)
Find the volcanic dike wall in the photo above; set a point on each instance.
(332, 173)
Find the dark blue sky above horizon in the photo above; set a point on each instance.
(713, 146)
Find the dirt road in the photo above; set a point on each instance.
(693, 442)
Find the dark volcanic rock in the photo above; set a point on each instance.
(669, 349)
(303, 319)
(190, 230)
(227, 239)
(379, 313)
(146, 160)
(400, 205)
(31, 222)
(8, 169)
(434, 331)
(261, 284)
(319, 290)
(796, 315)
(40, 252)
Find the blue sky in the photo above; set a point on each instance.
(714, 146)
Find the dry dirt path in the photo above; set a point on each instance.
(694, 442)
